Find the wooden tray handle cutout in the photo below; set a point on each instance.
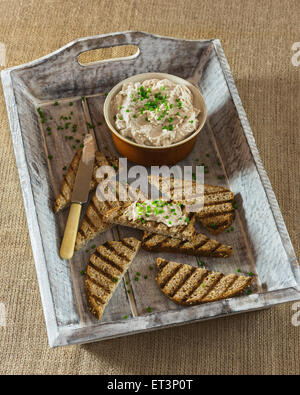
(119, 52)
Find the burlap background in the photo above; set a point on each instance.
(257, 37)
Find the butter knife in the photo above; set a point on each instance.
(79, 196)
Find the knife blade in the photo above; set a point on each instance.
(79, 196)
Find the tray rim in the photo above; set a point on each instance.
(65, 336)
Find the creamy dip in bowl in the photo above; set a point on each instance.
(155, 112)
(154, 118)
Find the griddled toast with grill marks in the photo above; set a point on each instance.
(200, 245)
(188, 285)
(93, 222)
(217, 213)
(105, 270)
(64, 197)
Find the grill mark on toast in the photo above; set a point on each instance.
(98, 283)
(213, 249)
(117, 253)
(102, 272)
(169, 277)
(161, 263)
(91, 293)
(148, 237)
(95, 208)
(204, 247)
(68, 185)
(215, 281)
(184, 280)
(128, 245)
(215, 287)
(96, 297)
(196, 286)
(62, 194)
(108, 261)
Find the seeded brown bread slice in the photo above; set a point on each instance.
(188, 285)
(64, 197)
(93, 222)
(105, 270)
(200, 245)
(217, 213)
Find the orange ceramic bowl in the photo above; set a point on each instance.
(144, 154)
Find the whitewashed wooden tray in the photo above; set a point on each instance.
(260, 239)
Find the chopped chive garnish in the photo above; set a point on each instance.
(83, 98)
(212, 225)
(235, 205)
(128, 291)
(249, 292)
(149, 309)
(138, 273)
(136, 279)
(64, 168)
(145, 276)
(125, 317)
(93, 246)
(49, 133)
(81, 145)
(239, 270)
(56, 103)
(200, 263)
(207, 155)
(115, 280)
(250, 274)
(191, 121)
(50, 157)
(99, 123)
(106, 93)
(82, 272)
(150, 267)
(71, 103)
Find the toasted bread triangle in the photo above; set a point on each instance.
(188, 285)
(218, 212)
(200, 245)
(106, 269)
(64, 197)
